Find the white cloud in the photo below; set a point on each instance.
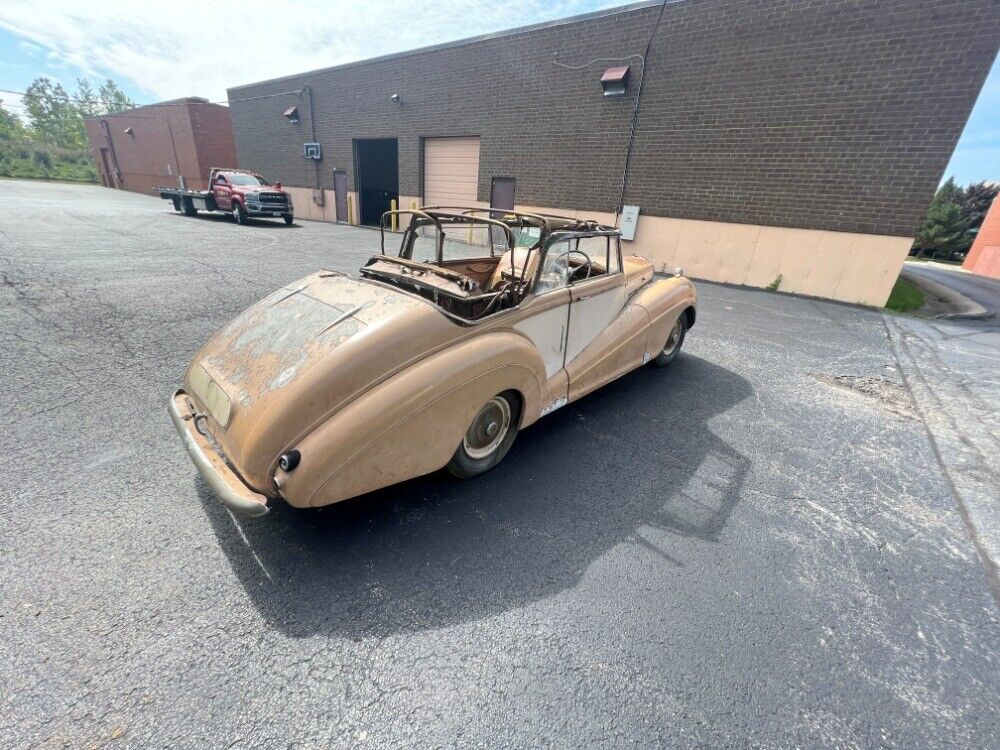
(13, 103)
(200, 48)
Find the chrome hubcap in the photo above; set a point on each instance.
(674, 339)
(488, 429)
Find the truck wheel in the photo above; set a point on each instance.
(288, 219)
(489, 437)
(674, 341)
(239, 214)
(177, 204)
(188, 206)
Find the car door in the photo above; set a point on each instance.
(595, 301)
(222, 191)
(545, 324)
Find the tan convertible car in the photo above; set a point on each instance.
(434, 357)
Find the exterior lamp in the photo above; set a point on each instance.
(292, 114)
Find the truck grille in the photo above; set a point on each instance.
(274, 199)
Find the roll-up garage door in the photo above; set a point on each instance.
(451, 171)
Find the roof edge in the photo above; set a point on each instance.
(616, 10)
(182, 101)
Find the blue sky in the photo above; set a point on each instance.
(155, 51)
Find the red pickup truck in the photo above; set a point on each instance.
(243, 194)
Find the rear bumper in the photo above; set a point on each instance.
(224, 482)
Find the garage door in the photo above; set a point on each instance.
(451, 171)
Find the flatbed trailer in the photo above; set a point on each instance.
(189, 202)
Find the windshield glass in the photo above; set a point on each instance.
(247, 179)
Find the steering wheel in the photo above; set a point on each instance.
(577, 270)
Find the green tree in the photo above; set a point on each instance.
(976, 201)
(54, 116)
(946, 227)
(113, 99)
(88, 102)
(11, 127)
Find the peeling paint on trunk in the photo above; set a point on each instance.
(270, 345)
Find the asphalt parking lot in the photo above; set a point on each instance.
(760, 546)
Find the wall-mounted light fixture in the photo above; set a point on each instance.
(615, 80)
(396, 98)
(129, 131)
(292, 114)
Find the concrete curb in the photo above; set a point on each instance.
(944, 302)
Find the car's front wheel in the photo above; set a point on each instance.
(673, 345)
(289, 218)
(239, 214)
(489, 437)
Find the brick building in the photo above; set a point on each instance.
(800, 139)
(984, 255)
(149, 146)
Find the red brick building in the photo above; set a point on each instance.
(984, 255)
(145, 147)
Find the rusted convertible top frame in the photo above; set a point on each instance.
(549, 226)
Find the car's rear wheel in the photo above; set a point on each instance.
(239, 214)
(177, 204)
(188, 205)
(673, 345)
(489, 437)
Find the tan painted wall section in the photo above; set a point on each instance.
(858, 268)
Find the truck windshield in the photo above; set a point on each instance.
(247, 179)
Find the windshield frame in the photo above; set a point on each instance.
(439, 219)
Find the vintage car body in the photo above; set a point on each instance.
(335, 386)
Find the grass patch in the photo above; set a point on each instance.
(37, 161)
(904, 297)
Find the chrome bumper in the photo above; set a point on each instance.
(224, 482)
(272, 212)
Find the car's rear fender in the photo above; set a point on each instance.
(412, 423)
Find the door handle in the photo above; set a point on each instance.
(586, 296)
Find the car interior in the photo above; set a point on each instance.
(475, 262)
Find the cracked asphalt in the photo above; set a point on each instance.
(768, 544)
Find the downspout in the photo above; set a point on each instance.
(173, 144)
(114, 156)
(312, 130)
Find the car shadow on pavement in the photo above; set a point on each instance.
(631, 461)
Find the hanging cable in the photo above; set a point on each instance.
(635, 111)
(597, 60)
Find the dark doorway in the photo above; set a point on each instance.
(502, 193)
(377, 176)
(501, 196)
(340, 194)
